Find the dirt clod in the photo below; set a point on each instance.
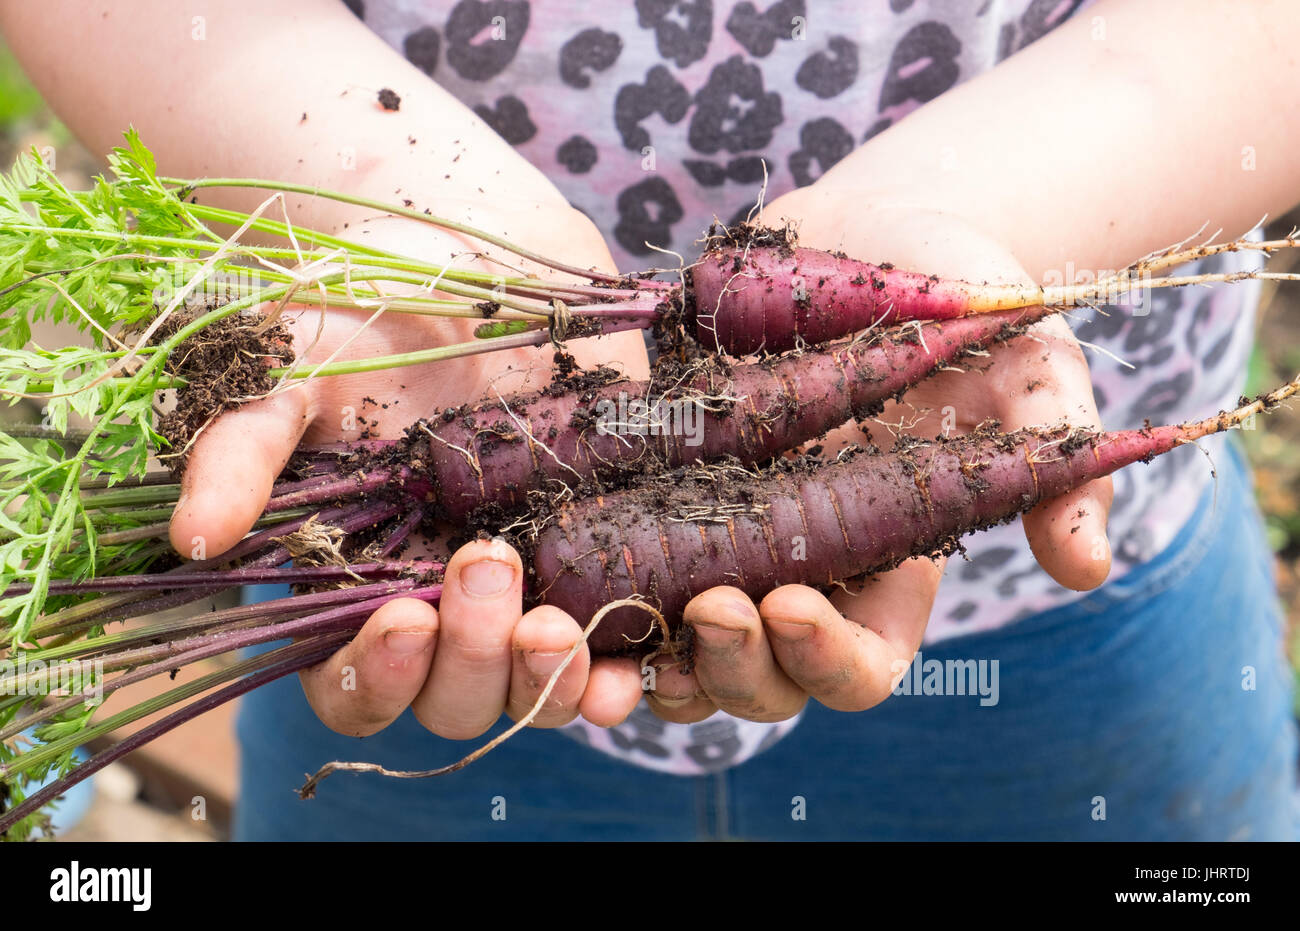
(224, 365)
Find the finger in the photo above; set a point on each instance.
(851, 664)
(733, 661)
(896, 605)
(613, 691)
(363, 687)
(1067, 534)
(543, 638)
(482, 601)
(231, 469)
(676, 696)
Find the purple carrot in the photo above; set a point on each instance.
(715, 526)
(770, 298)
(496, 451)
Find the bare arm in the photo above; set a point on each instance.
(221, 88)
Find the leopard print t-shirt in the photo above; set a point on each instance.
(655, 116)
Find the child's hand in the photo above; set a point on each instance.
(460, 666)
(847, 651)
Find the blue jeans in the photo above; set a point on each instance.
(1156, 708)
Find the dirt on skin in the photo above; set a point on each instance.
(224, 365)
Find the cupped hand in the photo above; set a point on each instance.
(763, 662)
(477, 655)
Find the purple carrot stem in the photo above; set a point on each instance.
(163, 658)
(259, 539)
(316, 471)
(349, 485)
(162, 602)
(75, 617)
(231, 618)
(341, 448)
(349, 520)
(399, 534)
(285, 488)
(292, 659)
(250, 575)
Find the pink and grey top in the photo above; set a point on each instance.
(656, 116)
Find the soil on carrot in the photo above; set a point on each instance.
(744, 497)
(672, 331)
(224, 365)
(742, 235)
(728, 244)
(706, 381)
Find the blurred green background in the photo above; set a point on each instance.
(1274, 446)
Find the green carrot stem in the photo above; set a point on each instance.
(408, 212)
(418, 357)
(127, 497)
(374, 257)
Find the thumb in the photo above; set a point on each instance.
(231, 469)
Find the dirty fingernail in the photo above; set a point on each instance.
(407, 642)
(786, 629)
(486, 578)
(718, 638)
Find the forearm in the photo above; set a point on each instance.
(1095, 150)
(233, 104)
(284, 91)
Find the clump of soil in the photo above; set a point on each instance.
(742, 234)
(389, 100)
(570, 377)
(671, 331)
(224, 365)
(728, 246)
